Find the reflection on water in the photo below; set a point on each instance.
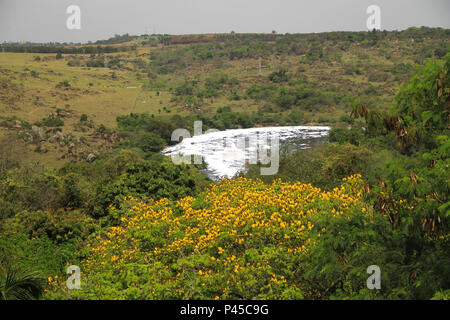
(226, 153)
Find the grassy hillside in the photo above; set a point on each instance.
(303, 79)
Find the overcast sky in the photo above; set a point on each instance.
(45, 20)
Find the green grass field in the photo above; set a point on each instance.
(29, 85)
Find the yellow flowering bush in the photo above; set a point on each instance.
(240, 239)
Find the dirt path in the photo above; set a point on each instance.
(32, 111)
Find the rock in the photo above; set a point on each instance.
(17, 124)
(91, 157)
(58, 136)
(38, 132)
(41, 149)
(28, 137)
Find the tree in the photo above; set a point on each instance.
(150, 142)
(83, 118)
(280, 75)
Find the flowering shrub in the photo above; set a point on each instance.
(240, 239)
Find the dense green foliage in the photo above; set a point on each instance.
(16, 285)
(407, 183)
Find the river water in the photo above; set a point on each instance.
(226, 153)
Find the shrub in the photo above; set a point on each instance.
(216, 245)
(73, 63)
(154, 179)
(279, 76)
(149, 142)
(63, 84)
(377, 76)
(346, 118)
(52, 122)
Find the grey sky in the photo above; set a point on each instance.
(45, 20)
